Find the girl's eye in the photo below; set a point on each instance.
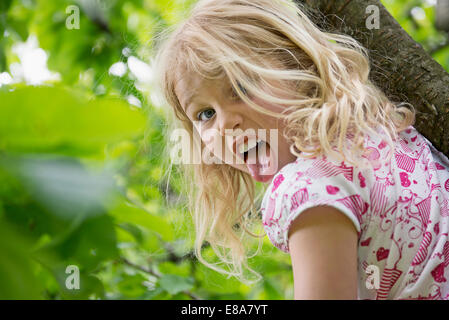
(205, 115)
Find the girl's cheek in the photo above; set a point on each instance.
(212, 142)
(208, 136)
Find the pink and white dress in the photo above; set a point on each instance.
(400, 209)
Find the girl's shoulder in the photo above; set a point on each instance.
(327, 168)
(378, 162)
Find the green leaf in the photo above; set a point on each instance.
(2, 52)
(272, 290)
(63, 185)
(4, 5)
(131, 286)
(18, 18)
(90, 244)
(133, 230)
(74, 50)
(93, 242)
(125, 212)
(17, 279)
(174, 284)
(90, 288)
(56, 120)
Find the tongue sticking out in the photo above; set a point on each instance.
(259, 162)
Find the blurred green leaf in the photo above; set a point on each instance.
(4, 5)
(132, 286)
(129, 213)
(174, 284)
(90, 288)
(91, 243)
(272, 290)
(64, 186)
(56, 120)
(18, 18)
(17, 279)
(133, 230)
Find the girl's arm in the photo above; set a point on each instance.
(323, 250)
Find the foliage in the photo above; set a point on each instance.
(84, 176)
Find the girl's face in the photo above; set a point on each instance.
(222, 119)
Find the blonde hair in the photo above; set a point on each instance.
(251, 43)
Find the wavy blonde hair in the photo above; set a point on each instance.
(325, 75)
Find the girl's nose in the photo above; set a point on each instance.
(229, 120)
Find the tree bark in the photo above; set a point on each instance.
(399, 65)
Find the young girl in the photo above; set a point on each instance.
(352, 191)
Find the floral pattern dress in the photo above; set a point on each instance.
(399, 206)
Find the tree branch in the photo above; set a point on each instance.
(155, 274)
(400, 66)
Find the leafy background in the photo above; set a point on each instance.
(84, 180)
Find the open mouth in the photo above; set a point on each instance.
(254, 149)
(257, 156)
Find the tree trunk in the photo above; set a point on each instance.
(400, 66)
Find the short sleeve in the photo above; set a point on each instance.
(307, 183)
